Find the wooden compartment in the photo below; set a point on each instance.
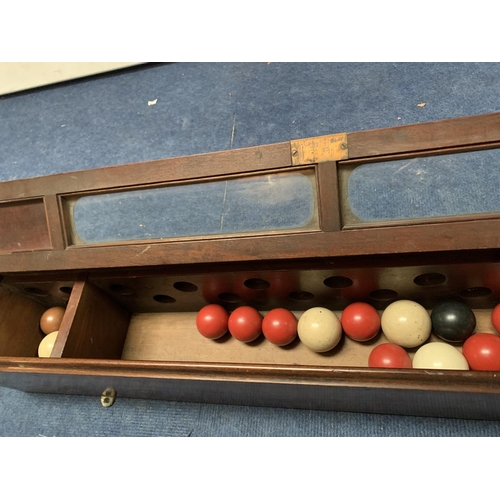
(130, 314)
(22, 303)
(162, 325)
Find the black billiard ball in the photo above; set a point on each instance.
(453, 321)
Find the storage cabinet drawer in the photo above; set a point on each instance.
(132, 292)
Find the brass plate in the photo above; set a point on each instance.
(319, 149)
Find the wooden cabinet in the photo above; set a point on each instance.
(134, 251)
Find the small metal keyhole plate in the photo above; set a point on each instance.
(108, 397)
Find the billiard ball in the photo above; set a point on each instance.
(389, 356)
(482, 351)
(279, 326)
(439, 356)
(453, 321)
(360, 321)
(51, 319)
(495, 318)
(406, 323)
(211, 321)
(245, 324)
(319, 329)
(47, 344)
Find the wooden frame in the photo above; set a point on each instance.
(110, 289)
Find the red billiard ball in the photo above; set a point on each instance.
(495, 318)
(245, 324)
(212, 321)
(360, 321)
(279, 326)
(389, 356)
(482, 352)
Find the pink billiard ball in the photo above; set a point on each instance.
(360, 321)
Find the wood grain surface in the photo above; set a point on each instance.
(174, 337)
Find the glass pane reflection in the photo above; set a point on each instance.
(262, 203)
(445, 185)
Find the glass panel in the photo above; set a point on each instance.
(274, 202)
(445, 185)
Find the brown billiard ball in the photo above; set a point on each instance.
(51, 319)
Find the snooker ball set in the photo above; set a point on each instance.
(406, 325)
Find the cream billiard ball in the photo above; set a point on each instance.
(47, 344)
(406, 323)
(319, 329)
(439, 356)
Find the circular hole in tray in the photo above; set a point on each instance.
(257, 284)
(164, 299)
(384, 294)
(430, 279)
(66, 289)
(337, 282)
(302, 295)
(185, 286)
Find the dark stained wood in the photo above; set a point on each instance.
(404, 392)
(138, 293)
(23, 226)
(152, 172)
(430, 237)
(20, 333)
(49, 291)
(94, 326)
(481, 129)
(53, 211)
(329, 208)
(466, 250)
(354, 162)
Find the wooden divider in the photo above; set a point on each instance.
(20, 334)
(94, 325)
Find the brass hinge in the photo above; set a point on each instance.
(319, 149)
(108, 397)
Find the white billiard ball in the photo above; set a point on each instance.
(319, 329)
(406, 323)
(46, 345)
(439, 356)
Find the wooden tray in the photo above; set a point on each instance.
(131, 302)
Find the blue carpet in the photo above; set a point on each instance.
(108, 121)
(210, 107)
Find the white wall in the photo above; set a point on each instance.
(25, 75)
